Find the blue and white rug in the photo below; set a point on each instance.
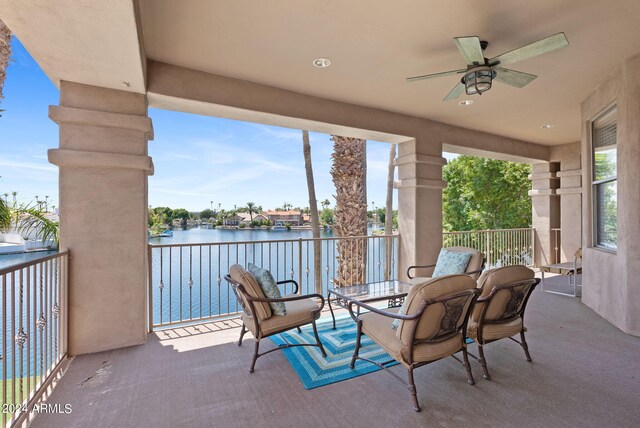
(314, 369)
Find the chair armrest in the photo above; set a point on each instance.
(417, 267)
(288, 299)
(287, 281)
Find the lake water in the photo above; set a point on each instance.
(188, 280)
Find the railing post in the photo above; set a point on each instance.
(150, 287)
(533, 246)
(487, 246)
(300, 266)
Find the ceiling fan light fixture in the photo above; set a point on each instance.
(466, 102)
(478, 80)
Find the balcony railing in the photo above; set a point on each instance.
(34, 332)
(502, 247)
(186, 281)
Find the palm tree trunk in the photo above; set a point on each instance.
(388, 217)
(313, 208)
(349, 173)
(5, 54)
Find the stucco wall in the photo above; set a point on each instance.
(611, 283)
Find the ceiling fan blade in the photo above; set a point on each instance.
(514, 78)
(431, 76)
(470, 49)
(540, 47)
(455, 92)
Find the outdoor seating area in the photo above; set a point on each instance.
(198, 376)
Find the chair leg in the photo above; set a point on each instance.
(467, 367)
(483, 362)
(357, 348)
(412, 389)
(299, 330)
(525, 347)
(243, 330)
(255, 355)
(315, 333)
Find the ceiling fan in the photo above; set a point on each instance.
(481, 71)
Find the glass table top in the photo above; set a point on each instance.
(373, 290)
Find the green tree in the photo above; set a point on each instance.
(206, 214)
(165, 214)
(251, 209)
(326, 216)
(485, 194)
(182, 214)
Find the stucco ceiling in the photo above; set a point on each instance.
(375, 45)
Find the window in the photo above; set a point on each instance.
(605, 181)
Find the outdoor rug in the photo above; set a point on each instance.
(314, 369)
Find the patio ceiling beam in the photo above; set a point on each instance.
(177, 88)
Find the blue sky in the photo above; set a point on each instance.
(198, 159)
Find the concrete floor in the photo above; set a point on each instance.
(585, 373)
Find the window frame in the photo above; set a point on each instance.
(595, 184)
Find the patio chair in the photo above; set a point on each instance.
(499, 311)
(473, 269)
(433, 328)
(258, 318)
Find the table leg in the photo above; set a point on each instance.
(333, 317)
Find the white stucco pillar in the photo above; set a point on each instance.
(104, 167)
(419, 187)
(545, 211)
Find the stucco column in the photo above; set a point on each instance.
(419, 187)
(545, 211)
(104, 167)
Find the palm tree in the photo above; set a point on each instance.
(5, 54)
(388, 218)
(313, 207)
(349, 174)
(26, 219)
(325, 203)
(251, 209)
(14, 194)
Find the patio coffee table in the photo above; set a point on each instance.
(394, 290)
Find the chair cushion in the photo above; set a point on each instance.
(498, 276)
(429, 323)
(269, 287)
(495, 331)
(378, 328)
(451, 262)
(251, 286)
(299, 312)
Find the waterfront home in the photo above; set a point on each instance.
(281, 218)
(341, 68)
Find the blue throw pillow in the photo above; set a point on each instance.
(269, 287)
(402, 311)
(451, 262)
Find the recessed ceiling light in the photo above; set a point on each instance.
(466, 102)
(322, 62)
(547, 126)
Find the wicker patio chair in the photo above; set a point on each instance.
(474, 268)
(433, 328)
(258, 318)
(499, 311)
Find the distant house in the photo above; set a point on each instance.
(243, 218)
(281, 218)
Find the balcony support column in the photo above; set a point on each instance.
(419, 187)
(103, 170)
(545, 211)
